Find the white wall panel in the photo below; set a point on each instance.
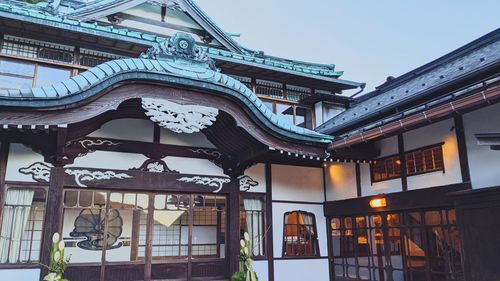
(109, 160)
(429, 135)
(279, 210)
(194, 139)
(126, 129)
(32, 274)
(295, 183)
(340, 181)
(301, 270)
(484, 163)
(258, 174)
(193, 166)
(20, 156)
(260, 267)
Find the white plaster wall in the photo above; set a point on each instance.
(432, 134)
(31, 274)
(193, 166)
(301, 270)
(20, 156)
(484, 163)
(109, 160)
(340, 181)
(194, 139)
(126, 129)
(257, 173)
(279, 210)
(261, 268)
(295, 183)
(388, 146)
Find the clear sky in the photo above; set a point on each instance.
(369, 39)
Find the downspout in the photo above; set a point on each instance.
(362, 88)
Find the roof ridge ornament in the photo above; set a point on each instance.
(180, 48)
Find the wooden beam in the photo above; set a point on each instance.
(4, 155)
(234, 226)
(269, 222)
(462, 148)
(402, 159)
(358, 179)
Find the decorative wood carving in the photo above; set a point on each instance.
(179, 118)
(246, 182)
(208, 181)
(39, 171)
(92, 142)
(155, 166)
(86, 175)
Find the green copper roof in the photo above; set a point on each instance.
(96, 79)
(33, 14)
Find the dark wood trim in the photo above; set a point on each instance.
(405, 200)
(234, 226)
(300, 258)
(462, 147)
(358, 179)
(297, 202)
(331, 272)
(53, 215)
(324, 183)
(149, 238)
(269, 222)
(4, 155)
(402, 158)
(156, 133)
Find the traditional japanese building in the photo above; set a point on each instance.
(152, 141)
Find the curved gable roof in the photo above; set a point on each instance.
(93, 81)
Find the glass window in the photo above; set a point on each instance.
(252, 222)
(16, 75)
(397, 246)
(47, 76)
(299, 234)
(22, 225)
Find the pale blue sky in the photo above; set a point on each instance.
(369, 40)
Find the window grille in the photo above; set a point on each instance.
(28, 48)
(92, 58)
(247, 81)
(269, 88)
(296, 93)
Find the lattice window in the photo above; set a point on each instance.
(300, 237)
(92, 58)
(296, 93)
(269, 88)
(247, 81)
(23, 47)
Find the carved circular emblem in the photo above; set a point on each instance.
(183, 44)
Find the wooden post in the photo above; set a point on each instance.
(4, 155)
(462, 148)
(234, 225)
(358, 179)
(53, 215)
(402, 158)
(269, 223)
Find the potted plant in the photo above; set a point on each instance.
(58, 263)
(246, 272)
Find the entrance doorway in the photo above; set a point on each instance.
(113, 235)
(397, 246)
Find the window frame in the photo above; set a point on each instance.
(262, 197)
(406, 154)
(313, 239)
(24, 185)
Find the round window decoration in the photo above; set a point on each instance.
(183, 44)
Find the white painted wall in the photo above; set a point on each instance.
(31, 274)
(194, 139)
(193, 166)
(126, 129)
(109, 160)
(20, 156)
(279, 210)
(388, 146)
(340, 181)
(484, 163)
(432, 134)
(260, 268)
(301, 270)
(295, 183)
(257, 173)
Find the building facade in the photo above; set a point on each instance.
(152, 141)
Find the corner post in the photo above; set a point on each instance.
(234, 225)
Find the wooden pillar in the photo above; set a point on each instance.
(4, 155)
(269, 223)
(53, 214)
(402, 158)
(462, 148)
(358, 179)
(234, 225)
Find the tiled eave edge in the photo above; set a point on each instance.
(90, 83)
